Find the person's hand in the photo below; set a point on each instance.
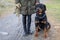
(37, 3)
(18, 5)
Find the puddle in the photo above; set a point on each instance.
(4, 33)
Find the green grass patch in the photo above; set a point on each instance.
(6, 5)
(54, 9)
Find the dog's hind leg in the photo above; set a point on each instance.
(45, 33)
(45, 29)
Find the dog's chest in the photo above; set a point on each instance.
(40, 14)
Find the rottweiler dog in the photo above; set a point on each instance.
(41, 22)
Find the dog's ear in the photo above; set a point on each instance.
(44, 7)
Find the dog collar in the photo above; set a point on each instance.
(42, 16)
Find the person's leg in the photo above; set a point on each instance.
(24, 24)
(29, 23)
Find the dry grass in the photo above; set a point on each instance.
(6, 6)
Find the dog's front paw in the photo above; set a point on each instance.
(36, 35)
(45, 35)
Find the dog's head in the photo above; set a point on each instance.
(40, 8)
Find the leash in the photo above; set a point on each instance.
(18, 15)
(18, 20)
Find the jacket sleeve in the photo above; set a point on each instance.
(17, 1)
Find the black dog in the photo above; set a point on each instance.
(41, 19)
